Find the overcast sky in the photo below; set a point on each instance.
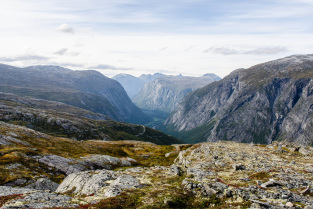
(192, 37)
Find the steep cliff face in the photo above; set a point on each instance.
(85, 89)
(165, 93)
(266, 102)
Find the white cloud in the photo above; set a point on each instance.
(256, 51)
(65, 51)
(66, 28)
(61, 51)
(26, 57)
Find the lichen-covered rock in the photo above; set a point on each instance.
(31, 198)
(86, 182)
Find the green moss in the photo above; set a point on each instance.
(260, 176)
(125, 200)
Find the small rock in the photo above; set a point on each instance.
(239, 167)
(289, 204)
(272, 183)
(304, 151)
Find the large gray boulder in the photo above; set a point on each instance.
(106, 161)
(61, 164)
(99, 183)
(87, 182)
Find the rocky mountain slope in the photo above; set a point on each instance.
(165, 93)
(59, 119)
(131, 84)
(85, 89)
(207, 175)
(267, 102)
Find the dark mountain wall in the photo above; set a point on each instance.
(267, 102)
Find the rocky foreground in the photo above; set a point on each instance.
(207, 175)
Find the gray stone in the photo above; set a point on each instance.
(18, 182)
(40, 199)
(44, 184)
(220, 187)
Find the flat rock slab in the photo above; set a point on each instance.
(64, 165)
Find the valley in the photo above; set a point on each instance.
(75, 139)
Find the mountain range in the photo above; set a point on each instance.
(267, 102)
(85, 89)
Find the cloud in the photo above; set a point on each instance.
(267, 50)
(61, 51)
(65, 51)
(257, 51)
(24, 58)
(65, 28)
(108, 67)
(221, 50)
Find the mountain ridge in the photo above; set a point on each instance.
(85, 89)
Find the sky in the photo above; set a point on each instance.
(189, 37)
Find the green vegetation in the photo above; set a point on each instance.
(124, 200)
(157, 118)
(196, 135)
(265, 176)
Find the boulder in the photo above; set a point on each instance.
(62, 164)
(86, 182)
